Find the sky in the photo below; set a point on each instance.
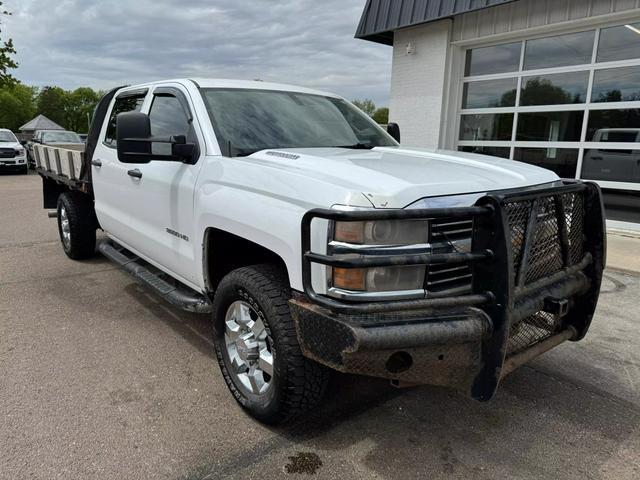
(107, 43)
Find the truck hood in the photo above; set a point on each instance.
(393, 177)
(13, 145)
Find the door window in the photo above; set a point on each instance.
(168, 118)
(128, 103)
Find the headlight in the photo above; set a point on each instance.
(383, 233)
(19, 151)
(379, 279)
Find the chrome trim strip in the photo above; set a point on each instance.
(343, 248)
(339, 248)
(375, 296)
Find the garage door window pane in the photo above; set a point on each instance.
(558, 51)
(490, 93)
(623, 206)
(502, 152)
(550, 126)
(616, 85)
(619, 43)
(490, 126)
(614, 125)
(563, 161)
(611, 165)
(554, 89)
(496, 59)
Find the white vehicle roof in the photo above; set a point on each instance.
(231, 83)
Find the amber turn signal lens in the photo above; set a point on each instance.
(349, 232)
(349, 278)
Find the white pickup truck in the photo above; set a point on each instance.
(316, 241)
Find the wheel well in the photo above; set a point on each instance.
(224, 252)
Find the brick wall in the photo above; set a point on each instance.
(418, 82)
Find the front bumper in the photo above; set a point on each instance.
(530, 292)
(15, 163)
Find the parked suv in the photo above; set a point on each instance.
(12, 154)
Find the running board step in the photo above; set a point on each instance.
(179, 295)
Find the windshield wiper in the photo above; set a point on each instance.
(357, 146)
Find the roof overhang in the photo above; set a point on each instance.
(381, 18)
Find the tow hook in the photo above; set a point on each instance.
(52, 214)
(555, 306)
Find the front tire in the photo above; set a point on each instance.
(257, 347)
(77, 225)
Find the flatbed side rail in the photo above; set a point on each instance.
(60, 164)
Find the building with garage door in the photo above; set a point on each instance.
(555, 83)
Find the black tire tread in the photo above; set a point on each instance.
(306, 380)
(82, 222)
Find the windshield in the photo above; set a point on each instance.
(60, 137)
(8, 137)
(247, 120)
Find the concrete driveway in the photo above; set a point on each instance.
(99, 379)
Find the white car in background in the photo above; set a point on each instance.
(12, 153)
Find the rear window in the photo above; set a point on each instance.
(130, 103)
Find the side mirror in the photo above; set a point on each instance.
(393, 129)
(133, 134)
(134, 140)
(23, 142)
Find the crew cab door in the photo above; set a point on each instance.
(109, 175)
(162, 192)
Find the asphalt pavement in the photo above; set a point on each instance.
(101, 379)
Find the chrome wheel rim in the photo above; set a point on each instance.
(248, 349)
(64, 228)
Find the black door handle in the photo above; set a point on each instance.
(96, 163)
(135, 173)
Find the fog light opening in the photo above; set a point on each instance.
(399, 362)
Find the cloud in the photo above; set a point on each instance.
(105, 43)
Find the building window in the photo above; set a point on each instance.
(496, 59)
(563, 161)
(559, 51)
(554, 89)
(569, 103)
(500, 152)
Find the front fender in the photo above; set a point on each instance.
(270, 222)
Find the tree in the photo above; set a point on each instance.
(51, 104)
(17, 105)
(537, 91)
(79, 108)
(366, 105)
(6, 51)
(381, 116)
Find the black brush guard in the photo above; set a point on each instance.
(536, 259)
